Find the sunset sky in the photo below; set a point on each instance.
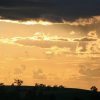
(52, 42)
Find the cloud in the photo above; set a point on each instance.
(91, 36)
(20, 70)
(89, 72)
(27, 22)
(87, 46)
(39, 74)
(84, 21)
(91, 47)
(42, 43)
(85, 39)
(40, 40)
(57, 51)
(43, 21)
(82, 25)
(55, 10)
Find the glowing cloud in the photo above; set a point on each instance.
(84, 21)
(77, 22)
(55, 45)
(57, 51)
(29, 22)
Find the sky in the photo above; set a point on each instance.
(54, 42)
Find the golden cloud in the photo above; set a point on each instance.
(77, 22)
(29, 22)
(84, 21)
(84, 46)
(57, 50)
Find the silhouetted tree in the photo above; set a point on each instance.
(2, 84)
(61, 86)
(12, 84)
(94, 89)
(94, 95)
(18, 82)
(55, 86)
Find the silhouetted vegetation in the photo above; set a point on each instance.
(43, 92)
(94, 89)
(17, 82)
(1, 84)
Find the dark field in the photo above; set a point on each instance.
(43, 92)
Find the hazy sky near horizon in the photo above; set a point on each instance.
(50, 42)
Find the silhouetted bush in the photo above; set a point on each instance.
(43, 92)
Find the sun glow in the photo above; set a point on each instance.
(29, 22)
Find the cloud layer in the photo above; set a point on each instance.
(54, 10)
(92, 73)
(55, 45)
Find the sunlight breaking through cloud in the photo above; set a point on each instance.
(28, 22)
(55, 45)
(77, 22)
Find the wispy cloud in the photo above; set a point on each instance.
(58, 51)
(41, 21)
(84, 70)
(83, 21)
(55, 45)
(39, 74)
(28, 22)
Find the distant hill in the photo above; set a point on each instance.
(42, 92)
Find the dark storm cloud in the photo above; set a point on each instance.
(54, 10)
